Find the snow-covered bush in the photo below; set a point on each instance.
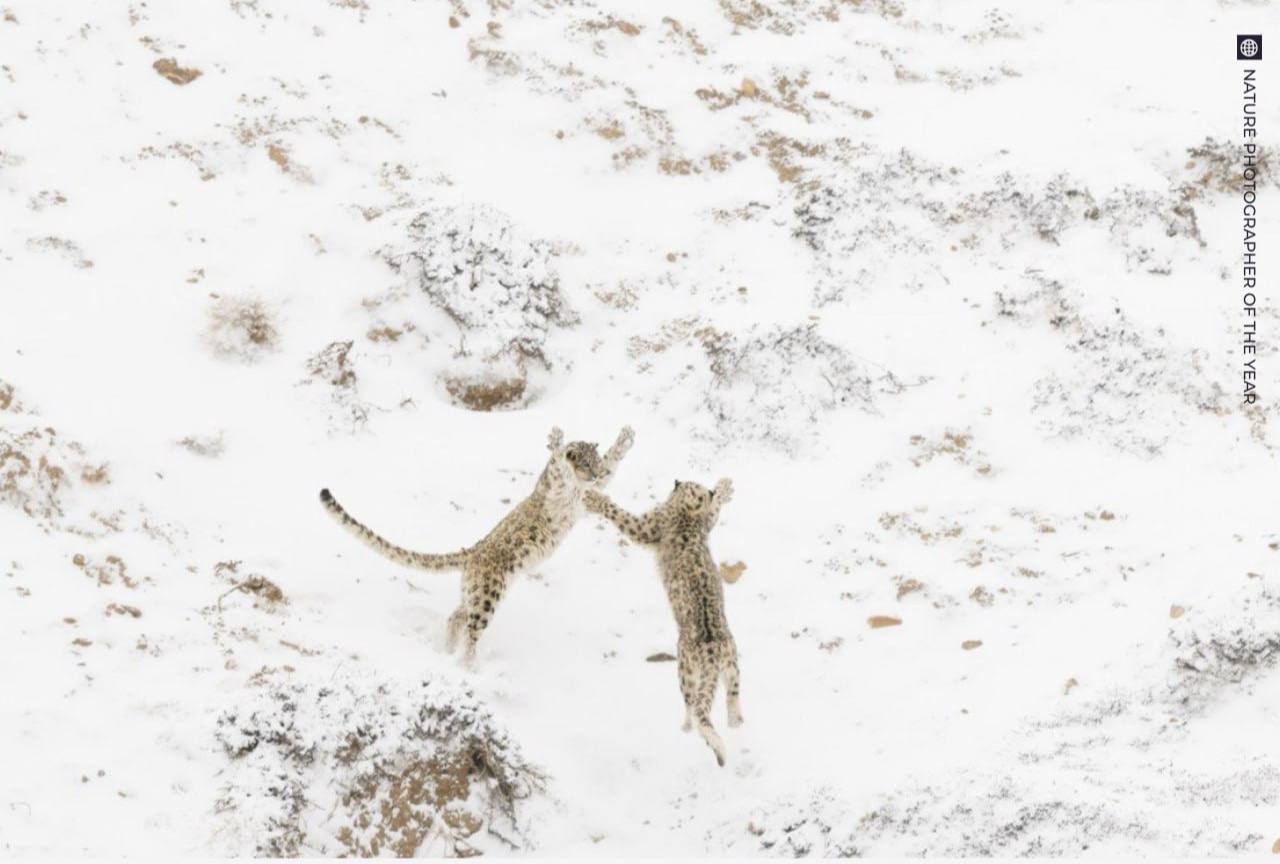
(982, 816)
(895, 204)
(1215, 650)
(497, 285)
(1129, 386)
(353, 767)
(774, 384)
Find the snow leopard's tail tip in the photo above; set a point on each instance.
(328, 502)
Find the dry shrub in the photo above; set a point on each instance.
(385, 333)
(110, 571)
(209, 446)
(262, 587)
(33, 473)
(255, 585)
(242, 328)
(956, 444)
(48, 478)
(8, 401)
(122, 609)
(790, 17)
(95, 474)
(1218, 167)
(358, 768)
(333, 366)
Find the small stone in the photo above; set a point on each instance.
(748, 88)
(877, 621)
(731, 572)
(660, 657)
(970, 644)
(1175, 611)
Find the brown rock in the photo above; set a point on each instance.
(877, 621)
(122, 609)
(731, 572)
(970, 644)
(168, 67)
(1175, 611)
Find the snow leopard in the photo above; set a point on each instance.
(705, 651)
(520, 541)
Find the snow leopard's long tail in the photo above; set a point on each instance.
(421, 560)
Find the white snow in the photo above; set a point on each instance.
(950, 291)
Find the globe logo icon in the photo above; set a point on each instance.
(1249, 47)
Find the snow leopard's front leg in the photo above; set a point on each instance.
(639, 529)
(614, 455)
(555, 439)
(720, 496)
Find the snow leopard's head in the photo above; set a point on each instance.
(584, 459)
(689, 497)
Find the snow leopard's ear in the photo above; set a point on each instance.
(555, 440)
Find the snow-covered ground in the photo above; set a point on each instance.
(950, 291)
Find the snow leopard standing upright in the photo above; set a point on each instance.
(705, 652)
(520, 541)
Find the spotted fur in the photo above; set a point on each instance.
(705, 651)
(525, 537)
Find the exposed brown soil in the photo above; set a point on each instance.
(486, 395)
(401, 819)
